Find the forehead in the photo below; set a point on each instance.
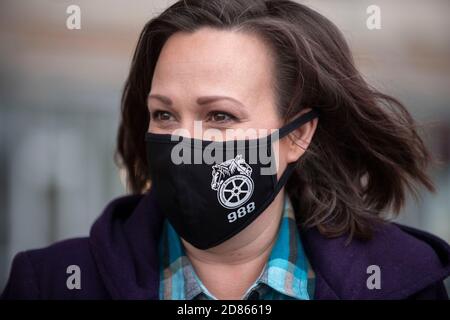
(217, 59)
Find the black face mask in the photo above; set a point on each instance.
(207, 204)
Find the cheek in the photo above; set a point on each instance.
(149, 127)
(281, 155)
(152, 127)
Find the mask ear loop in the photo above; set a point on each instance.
(298, 122)
(285, 130)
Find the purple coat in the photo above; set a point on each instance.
(119, 260)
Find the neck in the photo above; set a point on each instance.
(242, 257)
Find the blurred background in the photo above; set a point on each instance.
(60, 98)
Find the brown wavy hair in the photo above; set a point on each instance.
(366, 152)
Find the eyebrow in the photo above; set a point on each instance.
(200, 100)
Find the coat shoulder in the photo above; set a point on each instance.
(63, 270)
(407, 260)
(52, 272)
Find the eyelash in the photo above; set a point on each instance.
(230, 116)
(155, 114)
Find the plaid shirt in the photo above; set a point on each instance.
(287, 274)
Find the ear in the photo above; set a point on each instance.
(298, 140)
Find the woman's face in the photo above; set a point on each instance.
(221, 78)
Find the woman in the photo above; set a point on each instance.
(307, 223)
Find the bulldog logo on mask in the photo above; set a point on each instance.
(232, 181)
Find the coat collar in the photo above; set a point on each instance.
(124, 245)
(124, 242)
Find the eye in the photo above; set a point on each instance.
(218, 116)
(160, 115)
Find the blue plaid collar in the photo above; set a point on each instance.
(286, 275)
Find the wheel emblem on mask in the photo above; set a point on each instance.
(231, 179)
